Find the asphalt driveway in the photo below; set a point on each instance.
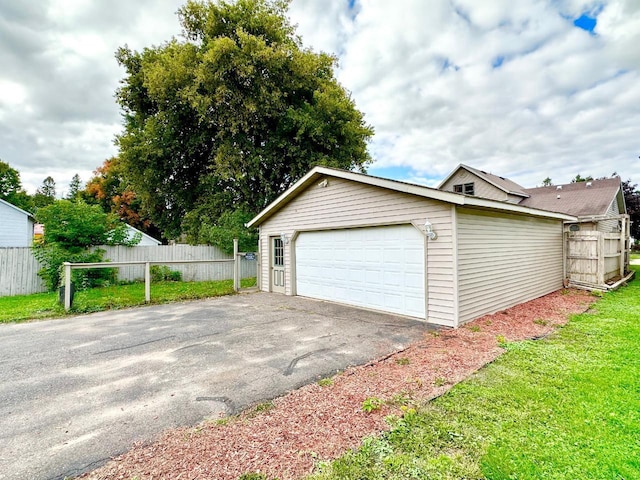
(76, 391)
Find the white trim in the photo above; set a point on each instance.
(402, 187)
(454, 260)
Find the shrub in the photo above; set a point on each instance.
(162, 273)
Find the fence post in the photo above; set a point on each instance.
(67, 286)
(147, 282)
(236, 264)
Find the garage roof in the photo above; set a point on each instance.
(403, 187)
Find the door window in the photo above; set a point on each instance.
(278, 252)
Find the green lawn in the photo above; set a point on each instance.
(45, 305)
(563, 408)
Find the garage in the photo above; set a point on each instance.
(381, 268)
(440, 256)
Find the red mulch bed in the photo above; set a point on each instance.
(317, 422)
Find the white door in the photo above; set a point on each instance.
(380, 268)
(277, 264)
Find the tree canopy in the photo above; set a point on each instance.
(46, 194)
(11, 188)
(109, 189)
(632, 201)
(231, 116)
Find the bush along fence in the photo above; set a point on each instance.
(67, 291)
(19, 268)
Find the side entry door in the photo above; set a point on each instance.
(277, 265)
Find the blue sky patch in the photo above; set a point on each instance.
(499, 60)
(586, 22)
(394, 173)
(352, 4)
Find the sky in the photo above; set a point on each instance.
(525, 89)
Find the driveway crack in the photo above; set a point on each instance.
(289, 370)
(134, 346)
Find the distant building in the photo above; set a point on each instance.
(145, 241)
(16, 226)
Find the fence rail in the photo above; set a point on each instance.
(19, 268)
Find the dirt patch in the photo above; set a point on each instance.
(321, 422)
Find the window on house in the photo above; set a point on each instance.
(466, 188)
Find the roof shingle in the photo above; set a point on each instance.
(579, 199)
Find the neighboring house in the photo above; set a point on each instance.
(436, 255)
(598, 204)
(471, 181)
(145, 240)
(16, 226)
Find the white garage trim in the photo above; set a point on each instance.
(382, 268)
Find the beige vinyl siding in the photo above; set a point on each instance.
(347, 204)
(504, 260)
(482, 188)
(610, 226)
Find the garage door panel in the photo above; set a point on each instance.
(380, 268)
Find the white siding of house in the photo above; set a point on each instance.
(16, 227)
(482, 188)
(504, 260)
(610, 226)
(346, 204)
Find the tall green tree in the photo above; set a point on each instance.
(231, 116)
(75, 187)
(46, 194)
(11, 188)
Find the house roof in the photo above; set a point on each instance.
(580, 199)
(4, 202)
(504, 184)
(142, 234)
(403, 187)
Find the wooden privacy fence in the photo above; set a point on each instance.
(593, 258)
(19, 268)
(19, 272)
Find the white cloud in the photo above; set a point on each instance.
(562, 102)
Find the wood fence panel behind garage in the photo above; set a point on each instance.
(19, 272)
(593, 257)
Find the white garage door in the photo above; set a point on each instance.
(380, 268)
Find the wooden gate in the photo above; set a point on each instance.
(593, 258)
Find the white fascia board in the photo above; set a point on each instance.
(411, 189)
(511, 207)
(273, 206)
(451, 174)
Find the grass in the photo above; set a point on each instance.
(567, 407)
(45, 305)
